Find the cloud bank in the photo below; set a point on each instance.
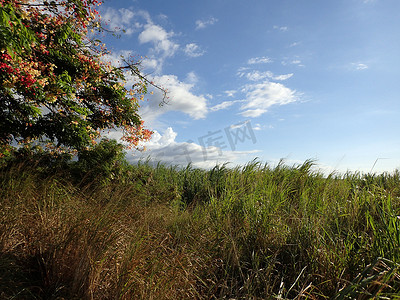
(165, 148)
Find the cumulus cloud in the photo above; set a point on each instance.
(165, 148)
(160, 38)
(181, 98)
(163, 46)
(159, 141)
(261, 93)
(181, 94)
(193, 50)
(150, 64)
(259, 60)
(123, 19)
(261, 96)
(201, 24)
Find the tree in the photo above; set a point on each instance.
(54, 85)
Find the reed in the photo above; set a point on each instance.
(160, 232)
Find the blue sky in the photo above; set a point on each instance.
(298, 80)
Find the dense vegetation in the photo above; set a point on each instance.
(55, 84)
(99, 228)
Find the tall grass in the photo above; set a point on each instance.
(159, 232)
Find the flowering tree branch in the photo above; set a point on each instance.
(54, 83)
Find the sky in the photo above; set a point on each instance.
(266, 80)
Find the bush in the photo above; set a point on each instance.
(101, 163)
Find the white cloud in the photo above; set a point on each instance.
(201, 24)
(261, 96)
(224, 105)
(150, 63)
(158, 140)
(115, 58)
(191, 77)
(253, 113)
(123, 19)
(282, 77)
(259, 60)
(230, 93)
(162, 17)
(240, 125)
(359, 66)
(257, 75)
(281, 28)
(153, 33)
(180, 94)
(242, 70)
(160, 38)
(165, 148)
(163, 46)
(193, 50)
(294, 44)
(161, 41)
(259, 127)
(296, 62)
(181, 98)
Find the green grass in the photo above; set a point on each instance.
(159, 232)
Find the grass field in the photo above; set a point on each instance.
(114, 231)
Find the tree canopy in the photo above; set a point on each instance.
(54, 85)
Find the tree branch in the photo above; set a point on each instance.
(133, 68)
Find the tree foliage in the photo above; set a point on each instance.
(54, 84)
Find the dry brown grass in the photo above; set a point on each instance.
(60, 242)
(159, 233)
